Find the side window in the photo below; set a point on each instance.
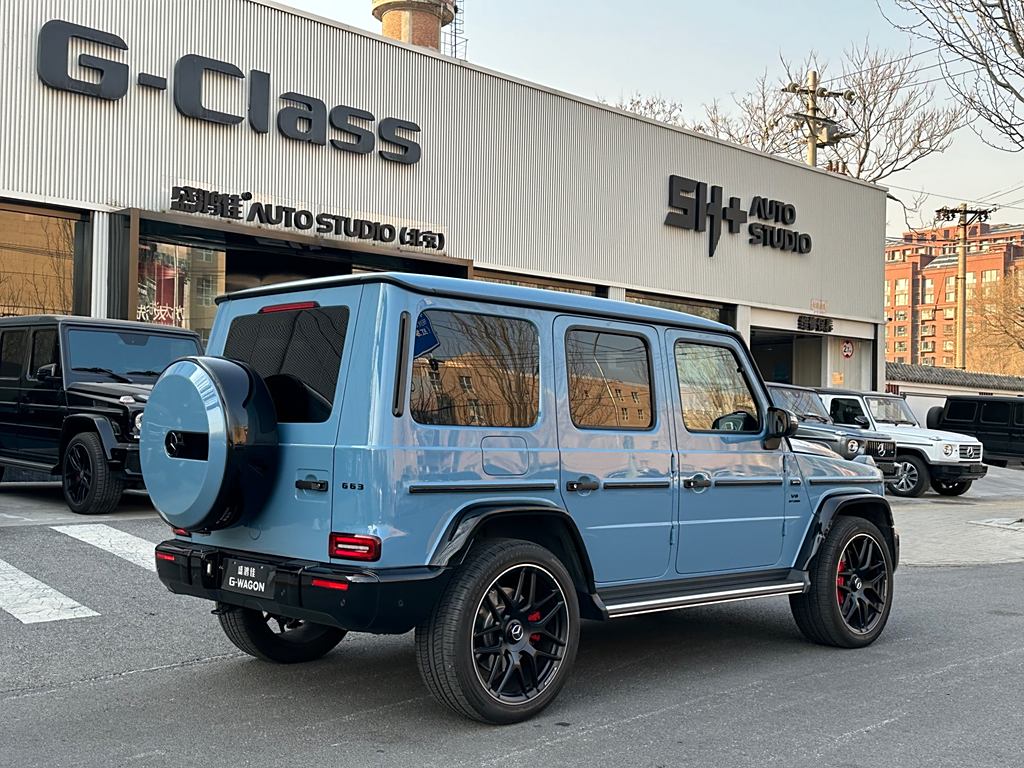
(961, 410)
(995, 413)
(474, 370)
(298, 353)
(1018, 415)
(44, 350)
(845, 410)
(12, 354)
(713, 390)
(609, 380)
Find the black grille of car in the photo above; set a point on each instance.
(971, 452)
(881, 449)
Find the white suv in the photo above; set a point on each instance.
(947, 461)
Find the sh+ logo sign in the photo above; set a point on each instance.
(694, 204)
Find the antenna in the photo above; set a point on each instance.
(454, 41)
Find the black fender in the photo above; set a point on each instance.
(857, 503)
(457, 540)
(87, 422)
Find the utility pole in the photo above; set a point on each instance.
(821, 131)
(966, 216)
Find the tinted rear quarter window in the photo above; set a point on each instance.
(1018, 416)
(961, 410)
(609, 380)
(298, 353)
(44, 349)
(995, 413)
(472, 370)
(12, 354)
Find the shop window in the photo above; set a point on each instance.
(561, 286)
(178, 284)
(713, 392)
(600, 365)
(483, 371)
(37, 257)
(718, 312)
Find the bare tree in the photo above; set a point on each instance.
(995, 332)
(981, 56)
(894, 116)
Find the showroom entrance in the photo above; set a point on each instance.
(788, 358)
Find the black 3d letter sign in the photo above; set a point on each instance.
(299, 117)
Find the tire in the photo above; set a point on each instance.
(945, 488)
(497, 600)
(295, 641)
(823, 613)
(90, 486)
(912, 477)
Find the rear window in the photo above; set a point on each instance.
(298, 353)
(995, 413)
(609, 380)
(961, 410)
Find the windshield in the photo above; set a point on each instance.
(125, 356)
(891, 410)
(806, 405)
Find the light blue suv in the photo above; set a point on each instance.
(487, 465)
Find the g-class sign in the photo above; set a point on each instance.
(697, 206)
(302, 118)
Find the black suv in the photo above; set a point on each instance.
(816, 426)
(72, 390)
(998, 422)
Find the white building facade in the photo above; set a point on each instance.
(152, 160)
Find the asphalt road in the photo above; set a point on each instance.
(151, 681)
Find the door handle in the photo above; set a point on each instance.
(583, 484)
(311, 485)
(698, 481)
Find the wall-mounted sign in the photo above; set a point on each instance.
(814, 323)
(242, 207)
(697, 206)
(848, 348)
(300, 117)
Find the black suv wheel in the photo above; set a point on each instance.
(947, 488)
(912, 477)
(276, 638)
(850, 596)
(90, 486)
(502, 639)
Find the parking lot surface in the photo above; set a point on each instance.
(121, 672)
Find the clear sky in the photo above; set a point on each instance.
(694, 51)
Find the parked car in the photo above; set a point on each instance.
(817, 426)
(488, 464)
(947, 461)
(72, 393)
(998, 422)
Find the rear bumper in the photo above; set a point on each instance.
(389, 601)
(956, 473)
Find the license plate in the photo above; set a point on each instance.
(248, 578)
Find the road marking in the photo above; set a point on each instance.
(32, 602)
(135, 550)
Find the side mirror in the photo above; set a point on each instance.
(861, 421)
(47, 372)
(781, 423)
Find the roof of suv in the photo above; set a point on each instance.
(829, 391)
(499, 293)
(99, 322)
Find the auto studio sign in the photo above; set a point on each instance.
(302, 117)
(699, 207)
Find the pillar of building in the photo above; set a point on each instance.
(743, 321)
(417, 22)
(100, 267)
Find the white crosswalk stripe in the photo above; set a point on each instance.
(32, 602)
(135, 550)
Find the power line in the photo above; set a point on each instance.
(953, 197)
(879, 66)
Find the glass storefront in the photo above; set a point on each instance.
(178, 285)
(37, 260)
(722, 313)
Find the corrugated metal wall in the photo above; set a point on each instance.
(518, 177)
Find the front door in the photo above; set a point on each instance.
(615, 444)
(42, 402)
(732, 492)
(13, 354)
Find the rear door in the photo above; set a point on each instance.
(615, 439)
(13, 358)
(43, 407)
(1017, 435)
(994, 425)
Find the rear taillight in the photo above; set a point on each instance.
(352, 546)
(165, 556)
(328, 584)
(181, 532)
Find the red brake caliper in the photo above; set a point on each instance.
(840, 581)
(535, 616)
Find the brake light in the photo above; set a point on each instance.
(165, 556)
(293, 306)
(181, 532)
(352, 546)
(328, 584)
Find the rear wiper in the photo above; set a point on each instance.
(144, 373)
(112, 374)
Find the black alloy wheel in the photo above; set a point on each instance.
(520, 634)
(862, 583)
(90, 486)
(78, 474)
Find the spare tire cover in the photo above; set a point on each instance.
(205, 447)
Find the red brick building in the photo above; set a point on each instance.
(920, 287)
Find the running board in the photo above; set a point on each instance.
(633, 608)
